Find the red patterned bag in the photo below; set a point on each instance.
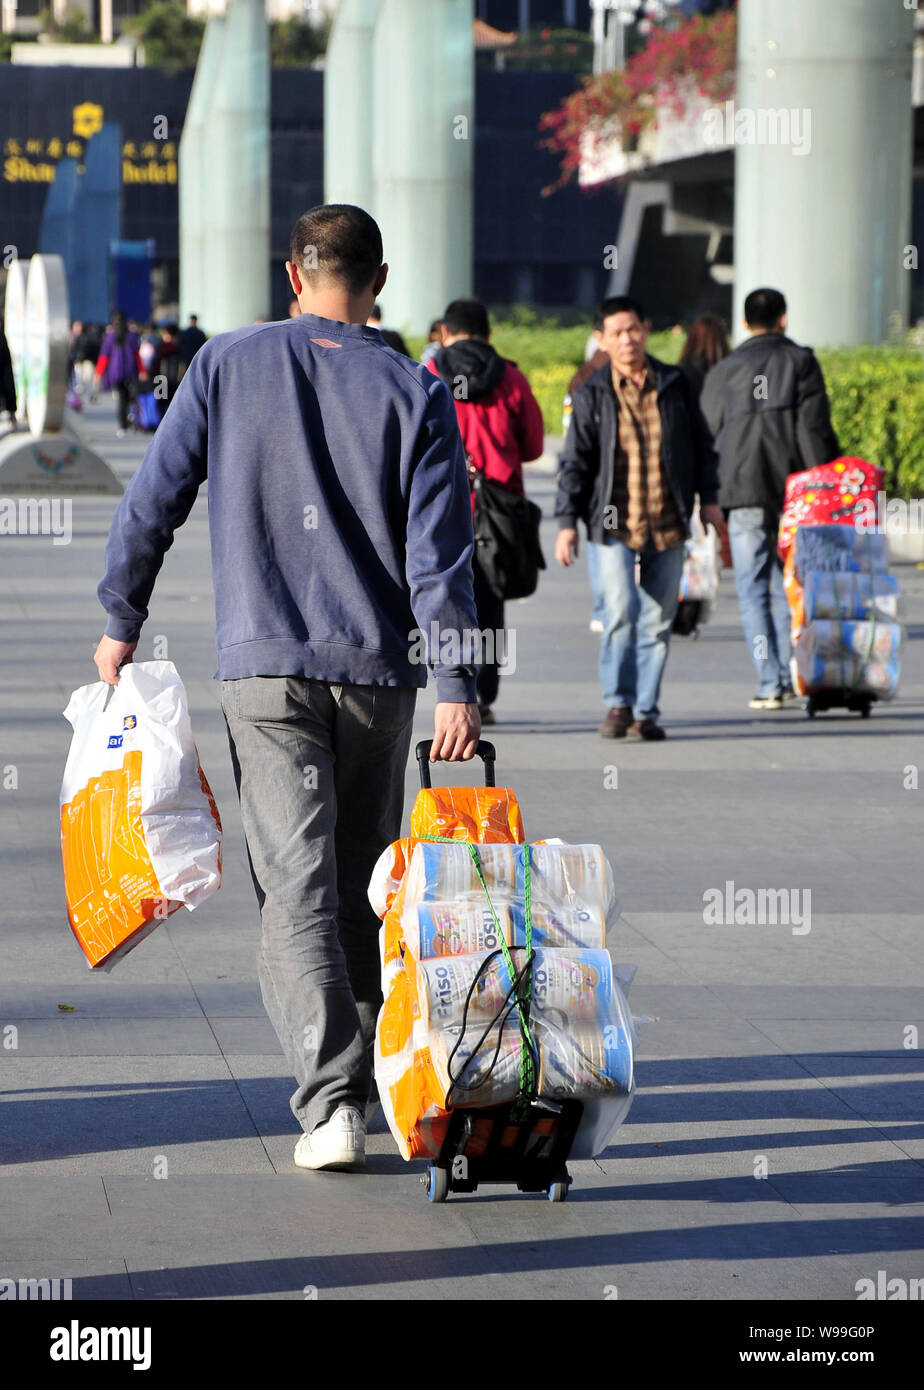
(829, 494)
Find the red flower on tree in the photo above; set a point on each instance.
(701, 50)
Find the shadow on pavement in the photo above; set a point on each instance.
(55, 1122)
(746, 1240)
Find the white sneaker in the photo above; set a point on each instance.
(595, 625)
(340, 1143)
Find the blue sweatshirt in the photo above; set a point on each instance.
(339, 509)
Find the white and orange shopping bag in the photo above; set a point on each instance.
(140, 831)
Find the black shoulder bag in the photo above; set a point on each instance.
(507, 539)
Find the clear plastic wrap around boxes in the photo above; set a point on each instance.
(446, 911)
(828, 594)
(844, 607)
(857, 656)
(448, 1034)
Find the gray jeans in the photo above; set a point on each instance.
(320, 775)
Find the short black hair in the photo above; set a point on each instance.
(376, 312)
(617, 304)
(336, 241)
(467, 316)
(764, 308)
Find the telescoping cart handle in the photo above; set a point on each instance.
(484, 750)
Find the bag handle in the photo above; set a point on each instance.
(484, 751)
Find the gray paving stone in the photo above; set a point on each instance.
(99, 996)
(69, 1035)
(116, 1115)
(853, 1037)
(803, 1002)
(695, 1149)
(253, 1035)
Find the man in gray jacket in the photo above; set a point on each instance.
(767, 407)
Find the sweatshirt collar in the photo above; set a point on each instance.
(336, 328)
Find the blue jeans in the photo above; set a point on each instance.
(598, 611)
(764, 611)
(637, 622)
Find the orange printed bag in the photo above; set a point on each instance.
(140, 831)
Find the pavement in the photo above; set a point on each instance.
(775, 1147)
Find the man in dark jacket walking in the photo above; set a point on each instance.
(191, 339)
(501, 426)
(636, 455)
(767, 407)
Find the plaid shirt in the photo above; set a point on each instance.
(641, 493)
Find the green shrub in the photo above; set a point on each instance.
(877, 409)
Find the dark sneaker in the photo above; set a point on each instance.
(787, 694)
(646, 730)
(487, 715)
(616, 722)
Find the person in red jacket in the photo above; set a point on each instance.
(501, 426)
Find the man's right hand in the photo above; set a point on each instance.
(566, 546)
(456, 731)
(110, 656)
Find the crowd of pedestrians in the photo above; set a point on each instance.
(130, 360)
(646, 443)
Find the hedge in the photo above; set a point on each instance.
(877, 409)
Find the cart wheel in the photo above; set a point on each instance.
(558, 1191)
(810, 708)
(437, 1183)
(864, 711)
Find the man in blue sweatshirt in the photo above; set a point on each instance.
(340, 529)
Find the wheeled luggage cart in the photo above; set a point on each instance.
(502, 1143)
(821, 700)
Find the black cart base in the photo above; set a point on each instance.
(488, 1146)
(834, 698)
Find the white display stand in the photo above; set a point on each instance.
(51, 455)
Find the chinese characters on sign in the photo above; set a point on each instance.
(29, 160)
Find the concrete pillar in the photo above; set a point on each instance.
(236, 215)
(825, 216)
(193, 172)
(349, 72)
(422, 155)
